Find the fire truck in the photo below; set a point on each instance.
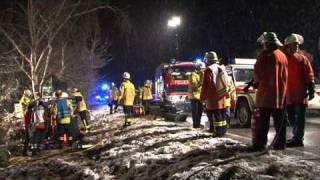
(171, 86)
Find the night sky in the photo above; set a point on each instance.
(228, 27)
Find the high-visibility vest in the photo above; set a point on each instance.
(195, 82)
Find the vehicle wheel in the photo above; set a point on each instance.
(244, 114)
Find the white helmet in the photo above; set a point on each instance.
(27, 92)
(126, 75)
(201, 65)
(148, 81)
(64, 95)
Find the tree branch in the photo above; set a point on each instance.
(15, 45)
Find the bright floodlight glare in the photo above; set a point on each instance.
(174, 21)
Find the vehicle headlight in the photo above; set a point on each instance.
(174, 98)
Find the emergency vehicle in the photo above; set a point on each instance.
(242, 72)
(171, 84)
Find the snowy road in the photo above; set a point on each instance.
(158, 149)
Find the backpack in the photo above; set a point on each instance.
(63, 109)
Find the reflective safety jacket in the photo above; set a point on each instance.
(145, 92)
(25, 101)
(195, 82)
(300, 73)
(127, 93)
(80, 101)
(209, 93)
(271, 72)
(231, 96)
(63, 111)
(114, 93)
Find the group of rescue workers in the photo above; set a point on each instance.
(283, 77)
(61, 120)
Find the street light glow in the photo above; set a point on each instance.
(174, 21)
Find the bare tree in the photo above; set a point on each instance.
(33, 30)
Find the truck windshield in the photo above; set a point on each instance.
(181, 72)
(243, 75)
(177, 88)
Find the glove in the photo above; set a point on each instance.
(310, 91)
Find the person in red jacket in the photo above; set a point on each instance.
(300, 86)
(212, 96)
(271, 74)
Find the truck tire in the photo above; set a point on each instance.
(244, 114)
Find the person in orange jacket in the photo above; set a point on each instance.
(300, 86)
(271, 74)
(210, 95)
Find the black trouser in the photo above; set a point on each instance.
(146, 106)
(218, 123)
(26, 141)
(115, 103)
(296, 116)
(262, 127)
(196, 110)
(64, 129)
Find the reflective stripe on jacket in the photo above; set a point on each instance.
(300, 73)
(146, 93)
(195, 82)
(271, 72)
(127, 93)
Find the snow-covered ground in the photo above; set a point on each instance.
(157, 149)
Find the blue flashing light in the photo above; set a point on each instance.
(107, 97)
(198, 60)
(98, 97)
(104, 87)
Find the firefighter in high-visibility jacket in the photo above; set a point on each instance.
(194, 88)
(127, 96)
(81, 108)
(114, 95)
(25, 101)
(300, 87)
(271, 74)
(230, 99)
(63, 112)
(212, 97)
(146, 96)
